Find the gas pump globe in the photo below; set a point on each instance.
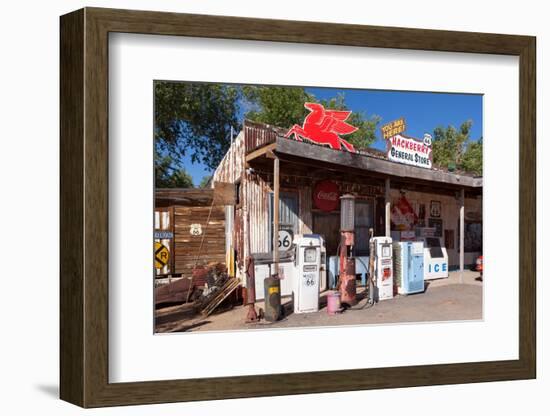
(347, 210)
(348, 288)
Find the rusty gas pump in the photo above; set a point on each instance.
(348, 290)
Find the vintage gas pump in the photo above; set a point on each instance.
(383, 268)
(307, 274)
(348, 289)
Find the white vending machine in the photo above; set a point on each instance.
(383, 269)
(307, 273)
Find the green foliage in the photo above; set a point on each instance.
(452, 148)
(366, 132)
(284, 107)
(205, 181)
(278, 106)
(168, 176)
(195, 120)
(472, 160)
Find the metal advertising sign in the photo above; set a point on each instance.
(403, 217)
(324, 127)
(392, 128)
(285, 240)
(409, 151)
(326, 196)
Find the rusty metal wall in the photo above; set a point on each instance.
(251, 229)
(232, 165)
(258, 135)
(304, 206)
(255, 203)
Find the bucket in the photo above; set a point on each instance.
(333, 303)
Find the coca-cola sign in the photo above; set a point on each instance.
(326, 196)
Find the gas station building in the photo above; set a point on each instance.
(399, 200)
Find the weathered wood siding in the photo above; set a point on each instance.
(188, 250)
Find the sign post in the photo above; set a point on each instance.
(162, 255)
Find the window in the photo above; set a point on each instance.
(364, 219)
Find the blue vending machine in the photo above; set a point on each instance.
(408, 266)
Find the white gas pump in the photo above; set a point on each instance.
(307, 273)
(383, 268)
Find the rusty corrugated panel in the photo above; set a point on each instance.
(260, 134)
(256, 198)
(305, 219)
(232, 164)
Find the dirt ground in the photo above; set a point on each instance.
(443, 300)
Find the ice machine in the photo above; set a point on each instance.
(408, 266)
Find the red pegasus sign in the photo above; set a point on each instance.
(324, 127)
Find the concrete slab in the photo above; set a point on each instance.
(443, 300)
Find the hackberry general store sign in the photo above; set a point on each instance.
(410, 151)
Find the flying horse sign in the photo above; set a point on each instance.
(324, 127)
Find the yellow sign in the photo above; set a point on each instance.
(162, 255)
(272, 289)
(393, 128)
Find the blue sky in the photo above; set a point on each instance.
(423, 112)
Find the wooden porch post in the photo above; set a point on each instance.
(461, 277)
(388, 208)
(276, 216)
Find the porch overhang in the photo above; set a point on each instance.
(292, 150)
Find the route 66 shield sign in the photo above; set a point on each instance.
(195, 229)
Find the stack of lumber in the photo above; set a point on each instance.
(219, 296)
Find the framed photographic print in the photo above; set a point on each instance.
(227, 196)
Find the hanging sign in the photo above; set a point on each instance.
(324, 127)
(409, 151)
(326, 196)
(392, 128)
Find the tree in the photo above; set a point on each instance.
(195, 120)
(366, 132)
(449, 145)
(205, 181)
(278, 106)
(472, 160)
(169, 176)
(284, 107)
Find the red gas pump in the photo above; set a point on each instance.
(348, 290)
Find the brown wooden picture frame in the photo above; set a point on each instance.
(84, 207)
